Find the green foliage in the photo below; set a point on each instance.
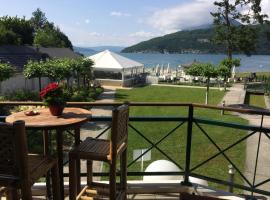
(6, 71)
(203, 69)
(8, 36)
(240, 37)
(224, 71)
(18, 30)
(38, 31)
(38, 19)
(22, 95)
(34, 69)
(50, 36)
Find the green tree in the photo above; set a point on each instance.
(35, 69)
(6, 71)
(241, 37)
(19, 30)
(206, 70)
(225, 69)
(50, 36)
(38, 19)
(8, 36)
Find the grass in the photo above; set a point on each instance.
(247, 74)
(175, 144)
(255, 100)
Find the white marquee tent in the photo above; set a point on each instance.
(109, 65)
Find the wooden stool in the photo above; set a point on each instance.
(18, 170)
(102, 150)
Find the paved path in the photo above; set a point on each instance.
(236, 95)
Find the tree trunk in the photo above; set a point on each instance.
(228, 24)
(67, 83)
(39, 83)
(207, 90)
(225, 83)
(78, 81)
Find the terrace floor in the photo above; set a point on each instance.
(167, 190)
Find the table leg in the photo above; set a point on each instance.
(46, 152)
(78, 164)
(59, 140)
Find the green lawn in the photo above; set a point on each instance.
(174, 145)
(247, 74)
(255, 100)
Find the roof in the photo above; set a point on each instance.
(58, 52)
(18, 56)
(110, 60)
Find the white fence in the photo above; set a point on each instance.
(18, 81)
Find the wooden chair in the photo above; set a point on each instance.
(187, 196)
(18, 170)
(102, 150)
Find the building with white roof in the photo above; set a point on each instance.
(113, 69)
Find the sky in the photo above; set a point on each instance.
(90, 23)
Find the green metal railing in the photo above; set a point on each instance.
(191, 122)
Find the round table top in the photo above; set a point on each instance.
(45, 120)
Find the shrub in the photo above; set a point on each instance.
(22, 95)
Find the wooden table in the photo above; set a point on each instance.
(72, 118)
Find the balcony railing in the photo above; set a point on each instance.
(188, 122)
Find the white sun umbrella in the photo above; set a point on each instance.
(233, 71)
(162, 70)
(157, 69)
(168, 69)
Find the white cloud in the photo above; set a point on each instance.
(119, 14)
(95, 34)
(81, 37)
(266, 7)
(143, 34)
(87, 21)
(183, 16)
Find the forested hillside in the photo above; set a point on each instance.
(195, 41)
(36, 31)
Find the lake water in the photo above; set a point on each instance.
(255, 63)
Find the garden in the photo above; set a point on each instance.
(175, 144)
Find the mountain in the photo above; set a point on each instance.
(208, 26)
(111, 48)
(84, 50)
(194, 41)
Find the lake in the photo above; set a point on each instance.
(255, 63)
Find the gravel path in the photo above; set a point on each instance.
(236, 95)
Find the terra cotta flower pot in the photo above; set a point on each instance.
(56, 110)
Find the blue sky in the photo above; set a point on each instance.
(117, 22)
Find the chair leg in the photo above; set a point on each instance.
(26, 190)
(55, 182)
(72, 179)
(123, 169)
(89, 167)
(113, 180)
(12, 194)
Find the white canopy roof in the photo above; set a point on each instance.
(110, 60)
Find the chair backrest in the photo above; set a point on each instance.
(119, 134)
(13, 152)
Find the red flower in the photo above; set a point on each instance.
(48, 88)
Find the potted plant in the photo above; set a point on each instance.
(54, 98)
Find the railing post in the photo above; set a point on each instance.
(188, 146)
(231, 177)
